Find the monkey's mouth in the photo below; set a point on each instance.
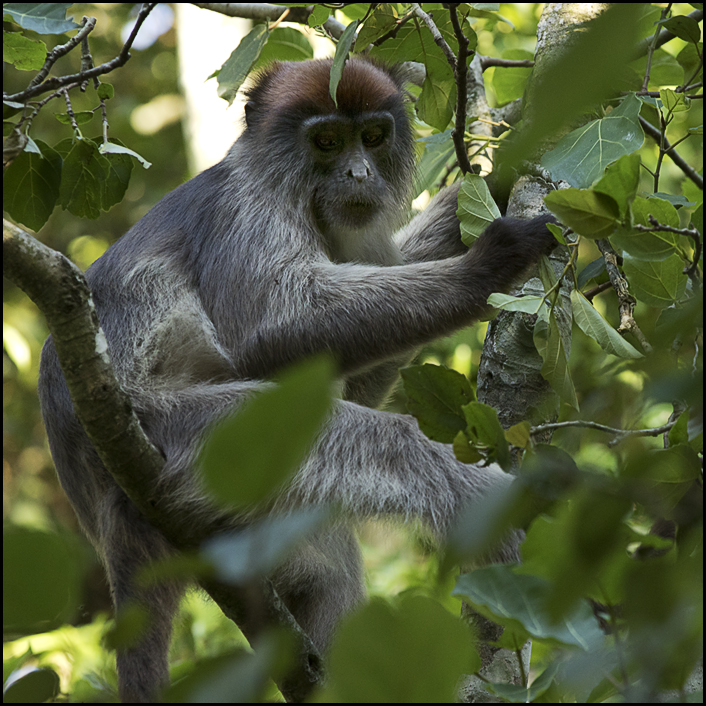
(360, 209)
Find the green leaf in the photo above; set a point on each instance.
(285, 44)
(27, 606)
(438, 150)
(476, 208)
(484, 429)
(250, 455)
(592, 270)
(24, 53)
(582, 156)
(114, 148)
(590, 70)
(464, 451)
(588, 213)
(674, 102)
(658, 284)
(597, 328)
(515, 600)
(318, 16)
(555, 368)
(686, 28)
(30, 186)
(41, 17)
(83, 179)
(519, 434)
(649, 246)
(105, 91)
(436, 396)
(528, 305)
(343, 49)
(258, 549)
(414, 43)
(238, 65)
(438, 97)
(509, 83)
(621, 181)
(117, 176)
(416, 652)
(381, 21)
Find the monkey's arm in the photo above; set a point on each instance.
(366, 314)
(432, 235)
(435, 233)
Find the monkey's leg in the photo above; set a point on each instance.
(129, 543)
(377, 464)
(322, 581)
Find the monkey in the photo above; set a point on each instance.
(296, 243)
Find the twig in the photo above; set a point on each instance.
(692, 233)
(656, 135)
(60, 81)
(626, 301)
(620, 434)
(461, 76)
(487, 61)
(597, 290)
(440, 41)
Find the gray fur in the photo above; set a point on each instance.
(238, 273)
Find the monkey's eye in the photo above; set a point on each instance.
(373, 137)
(326, 141)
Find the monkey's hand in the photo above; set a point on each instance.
(506, 248)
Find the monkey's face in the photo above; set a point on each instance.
(353, 158)
(350, 161)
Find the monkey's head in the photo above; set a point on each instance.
(350, 163)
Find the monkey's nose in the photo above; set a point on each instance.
(359, 171)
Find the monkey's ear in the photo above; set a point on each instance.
(250, 113)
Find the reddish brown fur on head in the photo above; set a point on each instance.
(283, 100)
(304, 87)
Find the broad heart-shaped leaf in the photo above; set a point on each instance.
(415, 652)
(518, 601)
(621, 181)
(436, 396)
(581, 156)
(436, 101)
(649, 246)
(476, 208)
(31, 185)
(382, 19)
(597, 328)
(285, 44)
(658, 284)
(588, 213)
(250, 455)
(83, 177)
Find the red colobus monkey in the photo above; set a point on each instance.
(293, 244)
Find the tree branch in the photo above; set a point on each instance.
(656, 135)
(461, 75)
(61, 292)
(59, 81)
(620, 434)
(626, 301)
